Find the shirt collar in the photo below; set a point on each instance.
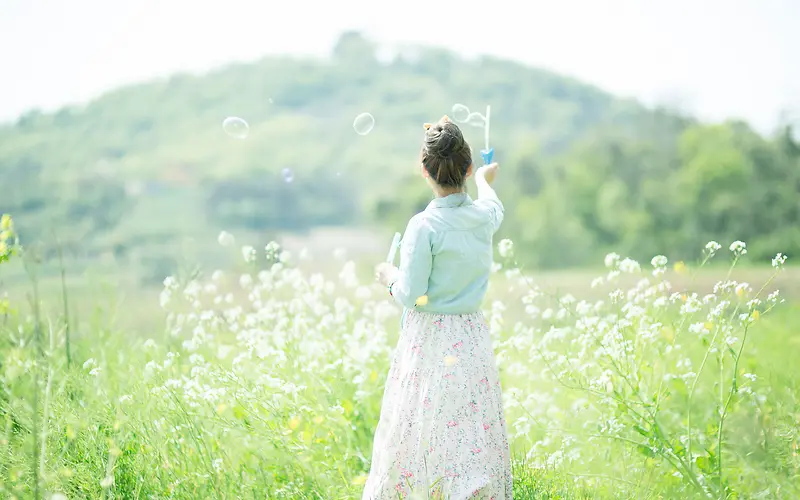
(451, 201)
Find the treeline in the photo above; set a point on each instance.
(147, 166)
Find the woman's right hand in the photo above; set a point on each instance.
(488, 172)
(385, 273)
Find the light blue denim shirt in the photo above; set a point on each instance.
(446, 254)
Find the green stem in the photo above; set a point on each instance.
(46, 411)
(699, 371)
(38, 354)
(64, 295)
(724, 413)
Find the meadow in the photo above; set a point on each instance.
(140, 359)
(636, 380)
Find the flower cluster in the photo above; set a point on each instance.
(279, 359)
(7, 237)
(604, 374)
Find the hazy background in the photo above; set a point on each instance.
(629, 126)
(720, 58)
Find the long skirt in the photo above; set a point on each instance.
(441, 431)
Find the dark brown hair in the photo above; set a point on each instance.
(445, 154)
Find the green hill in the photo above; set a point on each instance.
(141, 169)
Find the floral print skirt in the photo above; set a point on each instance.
(441, 431)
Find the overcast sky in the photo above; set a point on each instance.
(722, 58)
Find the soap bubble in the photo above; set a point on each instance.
(364, 123)
(460, 112)
(235, 127)
(476, 120)
(288, 175)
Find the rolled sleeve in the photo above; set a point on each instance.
(495, 209)
(415, 263)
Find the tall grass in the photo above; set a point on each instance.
(267, 383)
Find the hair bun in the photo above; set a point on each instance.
(444, 139)
(445, 153)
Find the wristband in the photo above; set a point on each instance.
(390, 287)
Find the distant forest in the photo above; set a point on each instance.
(144, 167)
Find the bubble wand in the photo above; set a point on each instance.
(487, 153)
(393, 248)
(477, 120)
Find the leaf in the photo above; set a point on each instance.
(703, 463)
(646, 451)
(641, 430)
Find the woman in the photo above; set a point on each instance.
(442, 429)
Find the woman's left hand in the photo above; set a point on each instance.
(385, 273)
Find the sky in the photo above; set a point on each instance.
(715, 58)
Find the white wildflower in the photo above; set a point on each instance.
(249, 253)
(658, 261)
(567, 299)
(738, 248)
(698, 328)
(225, 239)
(778, 261)
(629, 266)
(164, 298)
(505, 248)
(170, 283)
(150, 368)
(611, 260)
(245, 281)
(712, 246)
(742, 288)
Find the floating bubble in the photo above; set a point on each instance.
(364, 123)
(460, 112)
(235, 127)
(476, 120)
(288, 175)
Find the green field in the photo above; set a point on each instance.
(261, 381)
(270, 386)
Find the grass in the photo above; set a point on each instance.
(280, 399)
